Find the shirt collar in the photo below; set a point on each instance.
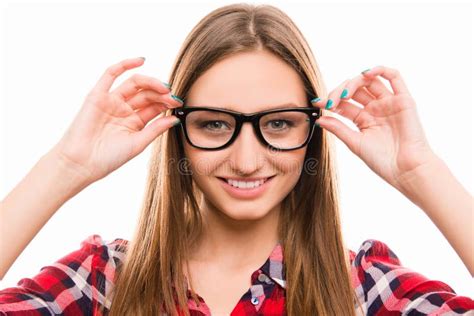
(274, 266)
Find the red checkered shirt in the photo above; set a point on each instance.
(78, 283)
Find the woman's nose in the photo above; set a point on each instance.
(247, 151)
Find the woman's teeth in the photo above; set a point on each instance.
(244, 184)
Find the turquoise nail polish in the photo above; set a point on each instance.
(365, 70)
(167, 85)
(329, 104)
(315, 100)
(177, 98)
(344, 93)
(317, 124)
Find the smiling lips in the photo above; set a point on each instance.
(245, 189)
(248, 184)
(244, 184)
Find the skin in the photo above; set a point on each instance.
(236, 230)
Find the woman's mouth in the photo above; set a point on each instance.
(250, 188)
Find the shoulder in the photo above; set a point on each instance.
(383, 285)
(106, 251)
(373, 251)
(80, 280)
(94, 255)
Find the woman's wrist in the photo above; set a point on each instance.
(32, 202)
(419, 184)
(69, 174)
(446, 202)
(433, 187)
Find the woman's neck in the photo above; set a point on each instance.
(235, 243)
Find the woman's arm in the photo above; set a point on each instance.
(27, 208)
(436, 191)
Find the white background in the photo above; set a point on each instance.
(53, 54)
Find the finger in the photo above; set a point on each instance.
(335, 96)
(390, 106)
(144, 137)
(373, 85)
(350, 137)
(329, 102)
(392, 75)
(356, 114)
(349, 110)
(363, 96)
(147, 97)
(148, 113)
(361, 89)
(107, 79)
(138, 82)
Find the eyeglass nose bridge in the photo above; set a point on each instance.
(254, 120)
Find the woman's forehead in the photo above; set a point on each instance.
(241, 84)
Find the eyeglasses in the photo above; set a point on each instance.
(280, 129)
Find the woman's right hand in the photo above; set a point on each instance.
(110, 127)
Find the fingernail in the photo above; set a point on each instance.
(142, 58)
(177, 98)
(344, 93)
(317, 124)
(178, 121)
(315, 100)
(167, 85)
(329, 104)
(365, 70)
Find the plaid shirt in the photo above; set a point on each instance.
(77, 284)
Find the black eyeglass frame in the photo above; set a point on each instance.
(254, 118)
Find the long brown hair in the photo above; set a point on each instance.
(316, 259)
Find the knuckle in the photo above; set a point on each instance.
(110, 70)
(390, 71)
(151, 97)
(135, 82)
(115, 70)
(146, 96)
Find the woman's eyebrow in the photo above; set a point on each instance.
(285, 105)
(274, 107)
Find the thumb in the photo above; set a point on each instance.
(348, 136)
(144, 137)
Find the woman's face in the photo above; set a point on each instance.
(247, 82)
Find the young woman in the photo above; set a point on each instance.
(241, 213)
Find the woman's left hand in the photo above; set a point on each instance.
(390, 139)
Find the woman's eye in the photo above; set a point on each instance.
(279, 124)
(214, 125)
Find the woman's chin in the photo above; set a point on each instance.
(245, 211)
